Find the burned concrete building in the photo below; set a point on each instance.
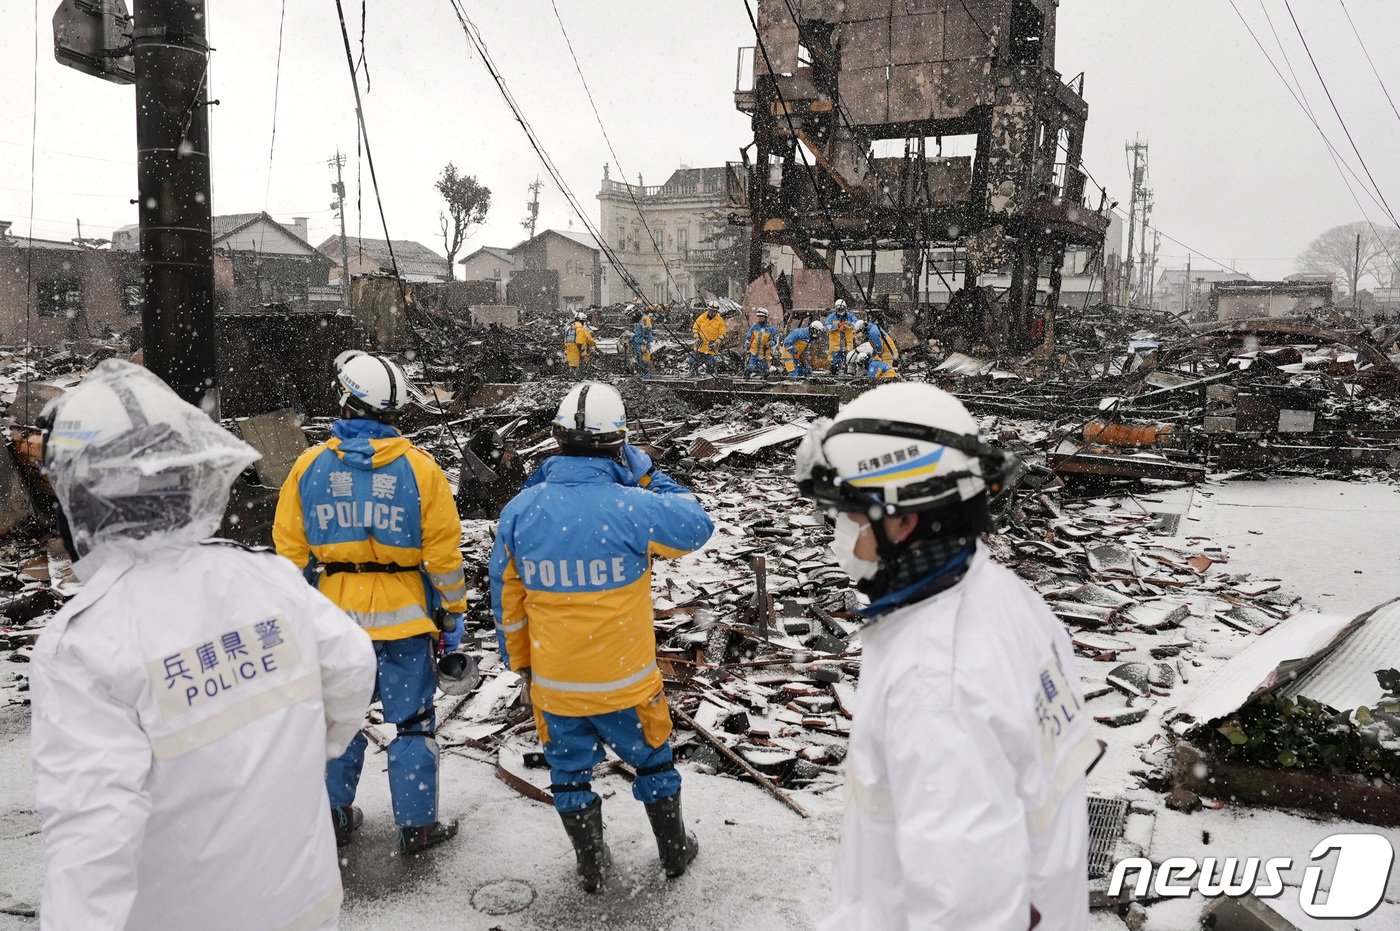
(851, 103)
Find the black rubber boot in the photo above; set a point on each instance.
(417, 839)
(674, 843)
(585, 830)
(347, 821)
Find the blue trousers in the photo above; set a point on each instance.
(756, 365)
(573, 746)
(838, 362)
(641, 358)
(405, 683)
(709, 360)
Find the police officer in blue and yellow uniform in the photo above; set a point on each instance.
(759, 343)
(571, 593)
(376, 514)
(641, 341)
(798, 349)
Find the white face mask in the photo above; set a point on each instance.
(843, 546)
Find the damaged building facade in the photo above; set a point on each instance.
(851, 103)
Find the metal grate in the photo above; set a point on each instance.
(1106, 820)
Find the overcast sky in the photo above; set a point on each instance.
(1238, 169)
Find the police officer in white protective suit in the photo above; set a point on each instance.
(966, 808)
(186, 700)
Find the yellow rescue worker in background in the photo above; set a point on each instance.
(377, 514)
(579, 343)
(709, 330)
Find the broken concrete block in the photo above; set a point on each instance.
(278, 437)
(736, 723)
(1246, 913)
(1131, 679)
(825, 643)
(1183, 799)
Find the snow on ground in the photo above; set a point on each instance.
(761, 866)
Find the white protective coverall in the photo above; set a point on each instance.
(965, 775)
(164, 809)
(186, 700)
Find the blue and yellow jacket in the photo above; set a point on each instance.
(368, 495)
(578, 341)
(571, 580)
(841, 331)
(641, 332)
(761, 339)
(886, 349)
(797, 341)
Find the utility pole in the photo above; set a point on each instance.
(339, 204)
(1186, 284)
(1144, 273)
(167, 58)
(1152, 270)
(1356, 281)
(172, 173)
(1138, 149)
(533, 208)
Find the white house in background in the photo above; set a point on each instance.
(1177, 293)
(266, 234)
(490, 263)
(415, 261)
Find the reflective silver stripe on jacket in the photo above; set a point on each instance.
(512, 628)
(370, 620)
(595, 686)
(451, 585)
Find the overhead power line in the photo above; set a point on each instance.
(276, 91)
(616, 160)
(1369, 61)
(1326, 90)
(479, 45)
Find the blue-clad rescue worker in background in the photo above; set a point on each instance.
(641, 341)
(797, 348)
(571, 593)
(759, 343)
(840, 335)
(377, 514)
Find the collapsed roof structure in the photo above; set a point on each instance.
(833, 79)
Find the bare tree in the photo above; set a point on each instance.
(1336, 252)
(468, 202)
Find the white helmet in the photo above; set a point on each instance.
(132, 463)
(591, 417)
(839, 306)
(371, 386)
(580, 316)
(761, 312)
(817, 326)
(900, 448)
(458, 673)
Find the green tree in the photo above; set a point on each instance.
(468, 202)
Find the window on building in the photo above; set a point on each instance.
(622, 237)
(660, 234)
(60, 296)
(636, 241)
(856, 264)
(682, 239)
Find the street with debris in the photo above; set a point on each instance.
(974, 553)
